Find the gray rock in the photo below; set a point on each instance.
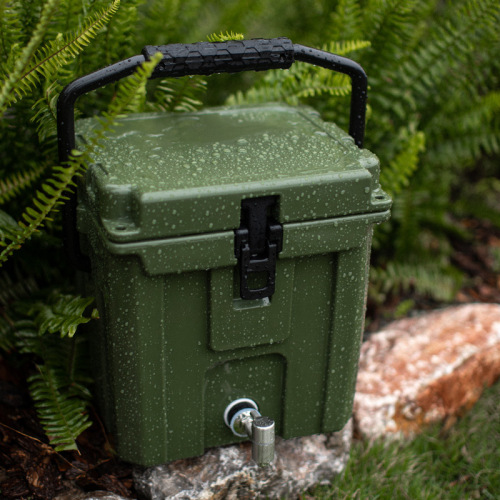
(229, 473)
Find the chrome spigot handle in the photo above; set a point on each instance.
(244, 420)
(263, 440)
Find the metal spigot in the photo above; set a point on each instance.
(243, 418)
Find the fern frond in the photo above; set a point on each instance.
(481, 200)
(464, 149)
(7, 338)
(168, 21)
(72, 12)
(119, 33)
(9, 87)
(346, 20)
(45, 111)
(49, 59)
(10, 30)
(224, 37)
(29, 342)
(127, 91)
(302, 81)
(294, 87)
(178, 94)
(52, 350)
(8, 227)
(61, 313)
(430, 68)
(14, 287)
(389, 24)
(462, 133)
(323, 82)
(52, 193)
(59, 389)
(14, 184)
(429, 279)
(395, 176)
(62, 415)
(345, 47)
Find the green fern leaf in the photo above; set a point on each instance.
(8, 227)
(389, 24)
(302, 81)
(59, 389)
(9, 87)
(62, 178)
(460, 134)
(395, 176)
(481, 200)
(11, 30)
(62, 415)
(168, 21)
(345, 47)
(49, 59)
(429, 76)
(120, 34)
(431, 279)
(60, 313)
(7, 339)
(224, 37)
(178, 94)
(346, 20)
(15, 289)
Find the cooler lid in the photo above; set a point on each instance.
(163, 175)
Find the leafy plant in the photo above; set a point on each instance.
(45, 329)
(223, 37)
(61, 410)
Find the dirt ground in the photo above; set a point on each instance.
(29, 467)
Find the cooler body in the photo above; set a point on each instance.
(177, 340)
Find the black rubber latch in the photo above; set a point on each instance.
(258, 241)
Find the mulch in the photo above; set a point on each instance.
(31, 469)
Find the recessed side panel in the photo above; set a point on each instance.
(260, 378)
(236, 323)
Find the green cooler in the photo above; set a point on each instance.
(229, 252)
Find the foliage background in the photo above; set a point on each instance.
(433, 120)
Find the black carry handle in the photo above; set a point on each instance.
(206, 58)
(203, 58)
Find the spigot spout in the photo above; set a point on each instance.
(244, 420)
(263, 441)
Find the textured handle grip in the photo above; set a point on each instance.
(206, 58)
